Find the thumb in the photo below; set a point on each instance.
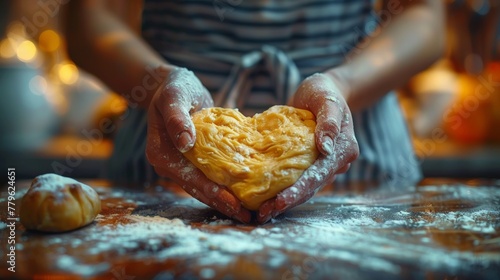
(180, 128)
(173, 117)
(327, 127)
(181, 94)
(320, 95)
(169, 122)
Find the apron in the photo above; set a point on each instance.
(252, 55)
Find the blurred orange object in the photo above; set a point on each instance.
(473, 117)
(494, 70)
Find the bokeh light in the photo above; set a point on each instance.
(6, 48)
(16, 30)
(118, 104)
(49, 40)
(68, 73)
(26, 51)
(38, 85)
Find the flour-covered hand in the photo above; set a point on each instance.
(335, 140)
(171, 132)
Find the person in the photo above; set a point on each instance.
(338, 59)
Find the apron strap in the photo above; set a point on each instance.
(283, 72)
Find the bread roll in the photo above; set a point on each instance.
(256, 157)
(55, 204)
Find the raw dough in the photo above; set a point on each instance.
(256, 157)
(55, 203)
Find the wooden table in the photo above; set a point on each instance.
(439, 230)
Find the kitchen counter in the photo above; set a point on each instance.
(439, 230)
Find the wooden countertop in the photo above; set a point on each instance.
(440, 230)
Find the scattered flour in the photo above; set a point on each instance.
(70, 264)
(150, 234)
(373, 232)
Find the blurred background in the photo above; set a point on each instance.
(52, 112)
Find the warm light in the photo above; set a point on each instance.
(6, 49)
(16, 29)
(68, 73)
(38, 85)
(118, 103)
(49, 41)
(26, 51)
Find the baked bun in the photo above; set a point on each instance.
(255, 158)
(55, 203)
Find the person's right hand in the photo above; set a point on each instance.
(171, 132)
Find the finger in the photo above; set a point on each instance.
(288, 198)
(305, 188)
(347, 145)
(323, 98)
(221, 203)
(283, 202)
(313, 178)
(243, 216)
(328, 124)
(158, 144)
(181, 95)
(199, 186)
(344, 169)
(180, 129)
(220, 195)
(266, 211)
(207, 102)
(173, 118)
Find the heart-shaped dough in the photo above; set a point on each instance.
(256, 157)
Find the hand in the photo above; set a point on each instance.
(171, 132)
(335, 141)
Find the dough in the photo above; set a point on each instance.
(55, 203)
(256, 157)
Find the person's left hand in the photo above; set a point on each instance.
(171, 132)
(335, 141)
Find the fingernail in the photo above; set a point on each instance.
(184, 142)
(327, 145)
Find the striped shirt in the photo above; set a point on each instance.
(253, 54)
